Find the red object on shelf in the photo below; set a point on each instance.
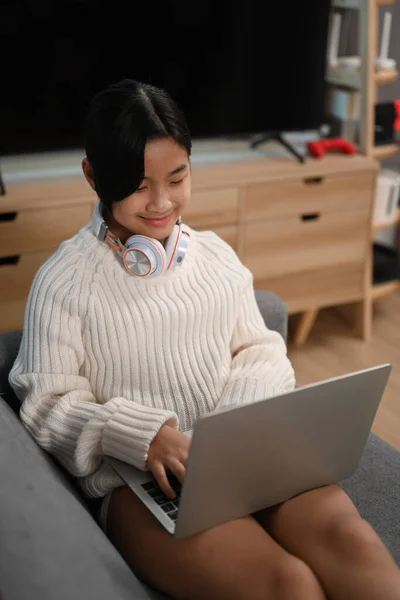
(396, 125)
(319, 147)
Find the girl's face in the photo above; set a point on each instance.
(162, 196)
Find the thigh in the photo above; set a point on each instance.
(217, 563)
(309, 516)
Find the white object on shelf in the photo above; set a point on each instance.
(334, 41)
(348, 62)
(383, 62)
(347, 3)
(386, 196)
(387, 24)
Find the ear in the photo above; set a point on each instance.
(88, 173)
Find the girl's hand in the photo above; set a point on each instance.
(168, 451)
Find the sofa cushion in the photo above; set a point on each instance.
(375, 490)
(50, 547)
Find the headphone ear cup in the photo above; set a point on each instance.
(144, 257)
(176, 246)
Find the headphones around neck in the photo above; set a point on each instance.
(143, 256)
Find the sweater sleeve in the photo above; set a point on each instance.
(260, 368)
(58, 406)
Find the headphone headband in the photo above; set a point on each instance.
(99, 226)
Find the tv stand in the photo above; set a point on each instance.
(277, 137)
(303, 230)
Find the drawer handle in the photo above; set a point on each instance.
(9, 260)
(310, 216)
(313, 180)
(10, 216)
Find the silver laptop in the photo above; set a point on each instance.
(246, 458)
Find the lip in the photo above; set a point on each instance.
(160, 222)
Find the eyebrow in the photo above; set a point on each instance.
(174, 172)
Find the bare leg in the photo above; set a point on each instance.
(324, 529)
(235, 561)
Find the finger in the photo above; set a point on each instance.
(178, 470)
(159, 473)
(184, 455)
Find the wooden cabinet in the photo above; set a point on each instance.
(213, 207)
(307, 240)
(29, 231)
(16, 275)
(303, 230)
(309, 195)
(35, 217)
(316, 262)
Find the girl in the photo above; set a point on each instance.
(124, 349)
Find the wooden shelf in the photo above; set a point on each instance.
(387, 76)
(345, 77)
(380, 290)
(346, 3)
(385, 151)
(357, 3)
(387, 224)
(351, 78)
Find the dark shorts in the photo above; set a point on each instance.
(99, 509)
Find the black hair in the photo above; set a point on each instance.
(121, 119)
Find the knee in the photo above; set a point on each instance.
(353, 536)
(292, 579)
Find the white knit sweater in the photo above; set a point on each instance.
(107, 358)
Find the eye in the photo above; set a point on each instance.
(177, 182)
(142, 189)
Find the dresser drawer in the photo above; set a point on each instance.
(317, 287)
(212, 207)
(47, 193)
(16, 275)
(36, 230)
(312, 251)
(334, 193)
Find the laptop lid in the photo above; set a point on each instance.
(253, 456)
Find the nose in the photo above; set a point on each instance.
(159, 202)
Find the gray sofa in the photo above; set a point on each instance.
(51, 546)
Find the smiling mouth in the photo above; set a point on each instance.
(160, 221)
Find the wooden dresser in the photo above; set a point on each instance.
(303, 230)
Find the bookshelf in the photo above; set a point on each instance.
(367, 80)
(385, 151)
(384, 225)
(387, 76)
(351, 78)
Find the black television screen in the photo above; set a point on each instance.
(235, 67)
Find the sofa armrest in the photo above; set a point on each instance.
(375, 490)
(9, 345)
(50, 546)
(274, 311)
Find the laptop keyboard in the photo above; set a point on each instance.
(168, 505)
